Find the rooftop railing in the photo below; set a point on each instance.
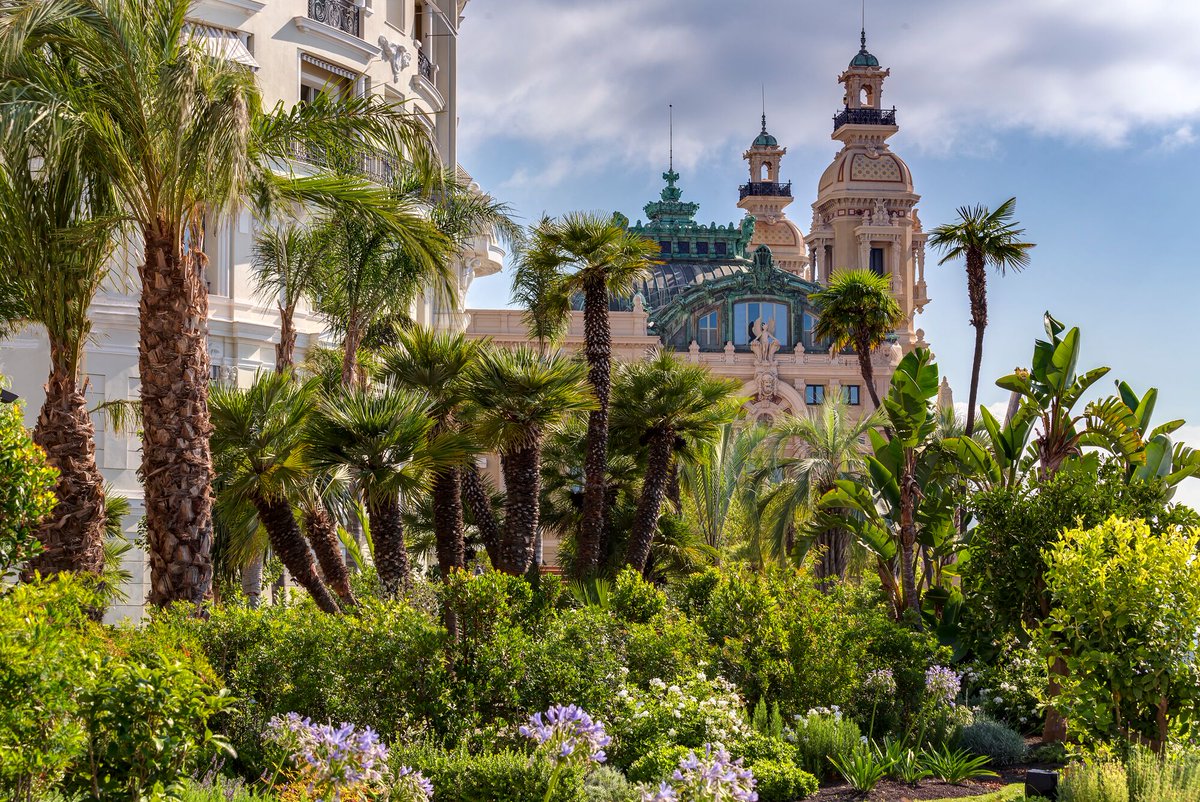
(864, 117)
(340, 14)
(769, 188)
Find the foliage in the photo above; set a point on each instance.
(777, 781)
(954, 766)
(991, 739)
(711, 776)
(1099, 781)
(27, 492)
(1008, 689)
(713, 480)
(324, 759)
(606, 784)
(459, 776)
(635, 600)
(657, 764)
(1125, 606)
(1173, 778)
(861, 767)
(822, 735)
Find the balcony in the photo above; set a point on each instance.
(338, 14)
(864, 117)
(425, 67)
(368, 162)
(767, 188)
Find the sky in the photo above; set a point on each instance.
(1087, 111)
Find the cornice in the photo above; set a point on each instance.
(320, 30)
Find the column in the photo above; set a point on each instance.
(864, 251)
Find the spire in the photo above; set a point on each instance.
(864, 58)
(670, 138)
(764, 107)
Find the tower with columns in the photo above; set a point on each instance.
(764, 198)
(865, 215)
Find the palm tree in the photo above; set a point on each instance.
(597, 258)
(437, 365)
(56, 234)
(384, 439)
(669, 406)
(810, 453)
(517, 397)
(714, 479)
(258, 441)
(858, 309)
(981, 237)
(182, 137)
(287, 261)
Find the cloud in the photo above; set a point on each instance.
(587, 84)
(1181, 137)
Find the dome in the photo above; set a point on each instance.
(856, 168)
(765, 140)
(864, 58)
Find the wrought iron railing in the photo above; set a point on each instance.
(373, 164)
(864, 117)
(340, 14)
(771, 188)
(424, 66)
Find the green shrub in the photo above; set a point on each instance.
(1175, 778)
(459, 776)
(669, 645)
(861, 768)
(954, 766)
(1102, 781)
(26, 492)
(605, 784)
(658, 764)
(822, 735)
(782, 782)
(991, 739)
(636, 600)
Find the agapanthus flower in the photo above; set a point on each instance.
(328, 760)
(411, 785)
(880, 683)
(568, 734)
(711, 777)
(942, 683)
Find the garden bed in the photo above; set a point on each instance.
(889, 791)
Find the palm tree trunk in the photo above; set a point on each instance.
(391, 552)
(977, 292)
(522, 505)
(176, 461)
(275, 514)
(654, 486)
(832, 563)
(448, 520)
(477, 497)
(252, 576)
(285, 349)
(322, 536)
(598, 351)
(863, 348)
(73, 536)
(675, 489)
(350, 371)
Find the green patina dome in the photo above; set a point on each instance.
(764, 139)
(864, 58)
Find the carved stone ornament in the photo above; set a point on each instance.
(880, 217)
(396, 55)
(765, 344)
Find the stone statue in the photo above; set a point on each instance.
(881, 216)
(395, 55)
(765, 344)
(766, 385)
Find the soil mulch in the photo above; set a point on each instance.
(888, 791)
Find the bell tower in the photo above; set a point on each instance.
(764, 198)
(865, 215)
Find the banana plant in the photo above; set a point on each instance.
(1050, 390)
(1148, 453)
(907, 503)
(1000, 460)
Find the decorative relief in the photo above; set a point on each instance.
(884, 168)
(396, 56)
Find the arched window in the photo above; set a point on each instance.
(864, 96)
(771, 315)
(764, 173)
(708, 333)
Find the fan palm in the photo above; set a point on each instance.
(593, 256)
(517, 397)
(981, 237)
(810, 453)
(668, 405)
(56, 234)
(384, 440)
(436, 365)
(858, 309)
(287, 261)
(180, 135)
(258, 442)
(714, 479)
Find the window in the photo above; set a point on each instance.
(394, 13)
(664, 246)
(851, 395)
(809, 322)
(877, 261)
(814, 394)
(708, 336)
(684, 247)
(418, 32)
(702, 248)
(318, 77)
(774, 317)
(719, 248)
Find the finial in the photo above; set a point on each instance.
(670, 137)
(764, 108)
(863, 38)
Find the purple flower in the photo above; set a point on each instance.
(568, 734)
(411, 786)
(328, 759)
(712, 777)
(942, 683)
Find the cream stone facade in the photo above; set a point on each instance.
(405, 50)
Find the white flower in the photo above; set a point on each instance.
(999, 700)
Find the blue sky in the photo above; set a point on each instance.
(1088, 111)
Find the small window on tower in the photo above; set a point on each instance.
(877, 261)
(702, 248)
(684, 247)
(664, 246)
(719, 248)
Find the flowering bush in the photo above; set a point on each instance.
(694, 711)
(328, 761)
(940, 716)
(1010, 688)
(942, 684)
(713, 778)
(568, 735)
